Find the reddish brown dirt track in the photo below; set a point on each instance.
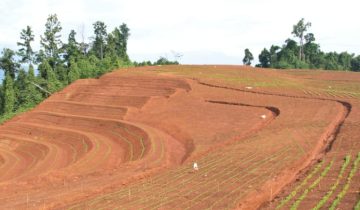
(128, 141)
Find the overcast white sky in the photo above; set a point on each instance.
(204, 31)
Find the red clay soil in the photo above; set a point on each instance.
(128, 140)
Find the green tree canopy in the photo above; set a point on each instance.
(9, 94)
(73, 71)
(264, 58)
(248, 57)
(8, 63)
(298, 30)
(51, 42)
(125, 33)
(72, 48)
(100, 38)
(26, 52)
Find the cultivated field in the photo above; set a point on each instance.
(270, 139)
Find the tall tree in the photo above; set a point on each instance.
(51, 42)
(26, 52)
(71, 48)
(100, 37)
(312, 53)
(299, 31)
(110, 49)
(248, 57)
(264, 58)
(355, 63)
(8, 63)
(274, 50)
(9, 94)
(125, 33)
(82, 45)
(345, 60)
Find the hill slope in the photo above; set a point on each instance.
(129, 139)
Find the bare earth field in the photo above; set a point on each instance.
(263, 139)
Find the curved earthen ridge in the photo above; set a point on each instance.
(255, 200)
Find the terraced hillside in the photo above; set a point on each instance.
(128, 140)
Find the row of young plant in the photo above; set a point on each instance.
(177, 175)
(216, 166)
(123, 193)
(228, 181)
(180, 178)
(247, 177)
(324, 199)
(335, 185)
(175, 189)
(255, 182)
(239, 191)
(312, 186)
(143, 186)
(343, 192)
(303, 183)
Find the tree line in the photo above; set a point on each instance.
(57, 63)
(304, 54)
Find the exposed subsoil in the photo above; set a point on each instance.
(128, 140)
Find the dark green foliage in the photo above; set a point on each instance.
(125, 33)
(248, 57)
(59, 64)
(8, 63)
(61, 72)
(264, 58)
(144, 63)
(165, 61)
(51, 42)
(298, 30)
(9, 94)
(355, 63)
(50, 81)
(100, 38)
(1, 99)
(110, 49)
(120, 37)
(27, 94)
(73, 71)
(306, 55)
(72, 48)
(86, 68)
(345, 60)
(35, 93)
(26, 52)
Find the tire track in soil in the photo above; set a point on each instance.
(258, 199)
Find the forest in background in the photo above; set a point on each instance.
(304, 54)
(57, 64)
(30, 77)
